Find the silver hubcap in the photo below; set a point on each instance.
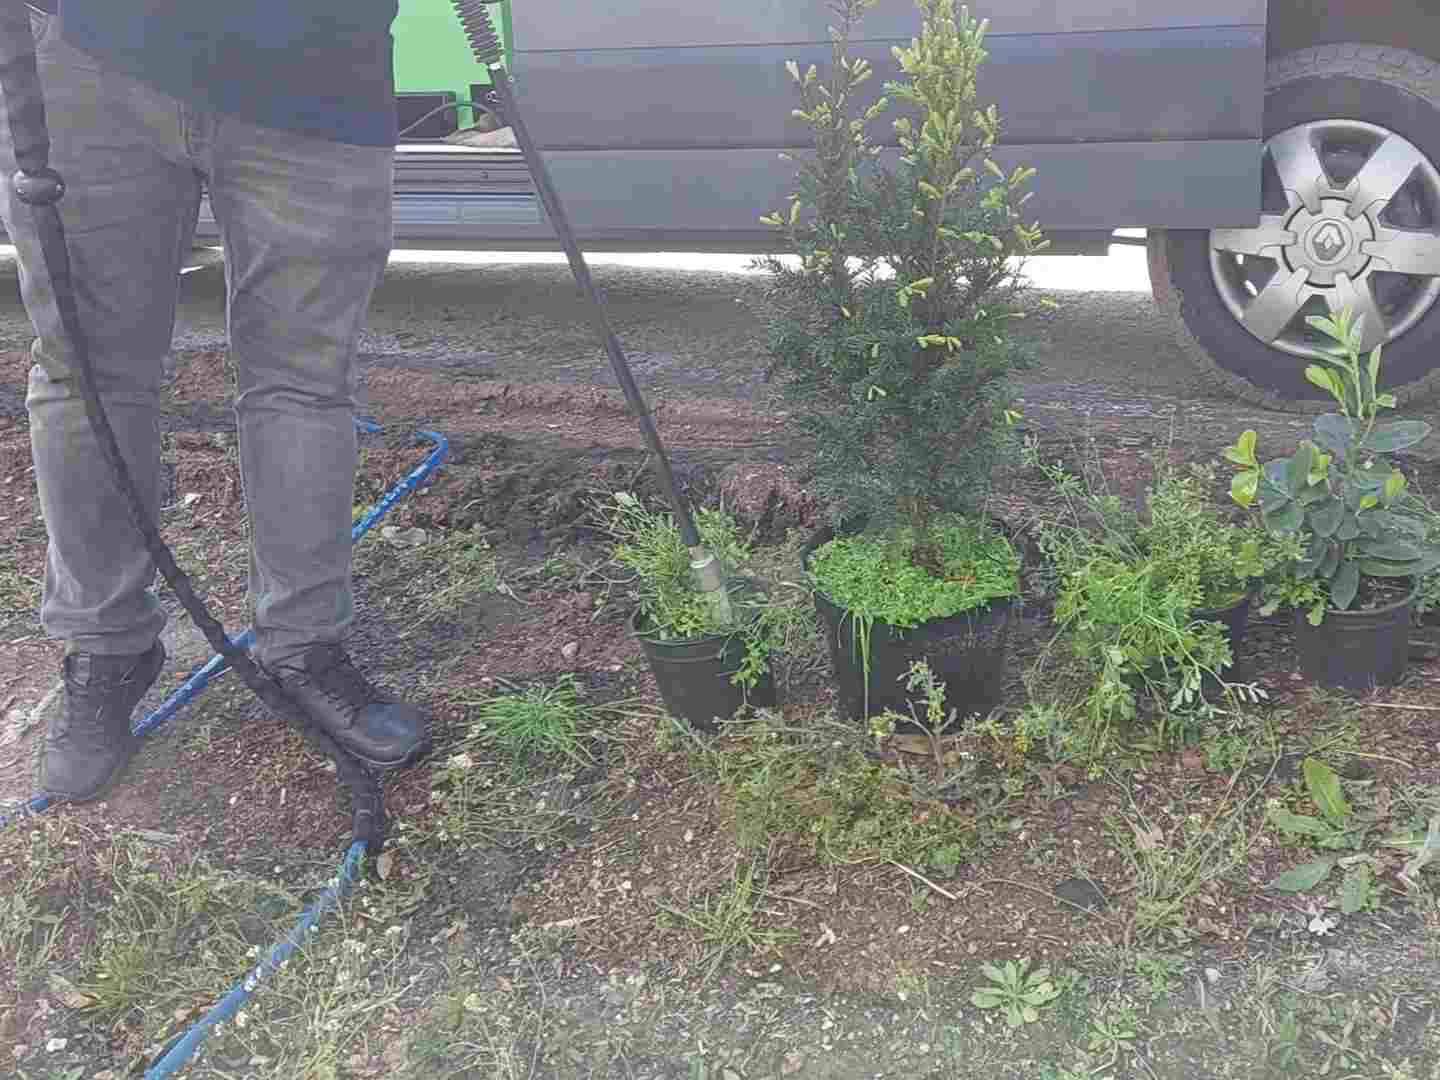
(1351, 219)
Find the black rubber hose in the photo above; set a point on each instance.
(40, 188)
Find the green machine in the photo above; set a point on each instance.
(434, 67)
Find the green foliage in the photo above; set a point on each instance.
(892, 330)
(874, 577)
(670, 602)
(1130, 585)
(1337, 827)
(820, 785)
(539, 722)
(1338, 492)
(1019, 992)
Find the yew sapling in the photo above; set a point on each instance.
(1339, 494)
(890, 320)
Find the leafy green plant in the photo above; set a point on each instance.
(1132, 587)
(826, 785)
(891, 324)
(1021, 993)
(874, 577)
(1339, 493)
(671, 606)
(537, 722)
(1337, 827)
(727, 923)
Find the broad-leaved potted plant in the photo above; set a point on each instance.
(1360, 538)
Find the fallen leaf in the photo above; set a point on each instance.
(70, 996)
(914, 744)
(385, 865)
(1148, 839)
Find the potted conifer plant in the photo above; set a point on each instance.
(890, 326)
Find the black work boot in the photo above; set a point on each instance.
(367, 722)
(89, 742)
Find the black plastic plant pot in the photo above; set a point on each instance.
(694, 676)
(1356, 650)
(966, 652)
(1235, 621)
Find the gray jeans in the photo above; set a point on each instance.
(307, 230)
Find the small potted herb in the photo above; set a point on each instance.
(890, 325)
(1360, 538)
(704, 671)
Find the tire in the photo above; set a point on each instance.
(1332, 243)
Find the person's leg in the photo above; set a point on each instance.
(128, 211)
(306, 226)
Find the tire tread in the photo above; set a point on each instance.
(1411, 72)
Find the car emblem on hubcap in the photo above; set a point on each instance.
(1328, 242)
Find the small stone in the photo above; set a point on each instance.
(1082, 893)
(1212, 974)
(793, 1063)
(570, 650)
(54, 1046)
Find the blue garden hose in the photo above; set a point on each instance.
(183, 1048)
(338, 888)
(219, 664)
(39, 189)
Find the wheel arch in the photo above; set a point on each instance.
(1302, 24)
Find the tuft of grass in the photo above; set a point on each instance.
(515, 777)
(1173, 868)
(171, 934)
(726, 924)
(816, 782)
(19, 593)
(31, 920)
(456, 571)
(544, 721)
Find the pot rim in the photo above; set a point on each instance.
(1409, 597)
(1202, 613)
(636, 632)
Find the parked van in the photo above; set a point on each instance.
(1284, 158)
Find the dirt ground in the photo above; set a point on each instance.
(571, 927)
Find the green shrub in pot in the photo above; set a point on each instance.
(669, 605)
(889, 323)
(1361, 536)
(1151, 599)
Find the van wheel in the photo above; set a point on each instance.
(1350, 217)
